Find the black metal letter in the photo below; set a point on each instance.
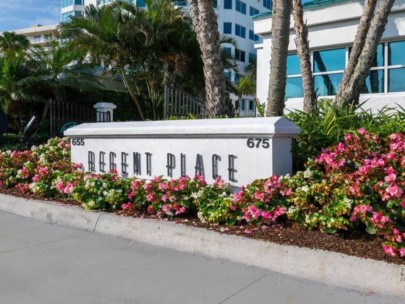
(113, 165)
(231, 168)
(199, 166)
(92, 161)
(137, 163)
(102, 162)
(183, 164)
(171, 164)
(148, 163)
(124, 164)
(215, 159)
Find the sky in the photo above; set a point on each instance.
(17, 14)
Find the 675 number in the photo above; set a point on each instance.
(258, 143)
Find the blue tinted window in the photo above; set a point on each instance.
(251, 105)
(240, 6)
(240, 31)
(293, 65)
(228, 51)
(396, 53)
(242, 105)
(140, 3)
(253, 11)
(227, 28)
(374, 82)
(327, 85)
(379, 56)
(251, 35)
(268, 4)
(228, 75)
(79, 2)
(396, 79)
(252, 57)
(228, 4)
(240, 55)
(294, 88)
(332, 60)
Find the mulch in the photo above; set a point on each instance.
(359, 244)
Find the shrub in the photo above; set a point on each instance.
(357, 184)
(328, 125)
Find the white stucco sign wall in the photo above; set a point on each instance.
(236, 150)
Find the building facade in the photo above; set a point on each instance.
(39, 34)
(332, 27)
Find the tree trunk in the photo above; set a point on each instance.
(206, 27)
(280, 36)
(131, 92)
(351, 93)
(358, 44)
(301, 40)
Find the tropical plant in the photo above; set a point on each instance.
(302, 43)
(328, 124)
(205, 24)
(278, 64)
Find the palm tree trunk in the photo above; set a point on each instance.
(301, 40)
(131, 93)
(206, 26)
(351, 92)
(280, 37)
(360, 39)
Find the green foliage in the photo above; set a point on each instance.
(329, 123)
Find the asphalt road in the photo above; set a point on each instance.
(47, 264)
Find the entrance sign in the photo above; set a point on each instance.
(237, 150)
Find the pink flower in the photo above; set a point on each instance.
(126, 206)
(35, 178)
(60, 186)
(390, 178)
(353, 218)
(389, 250)
(361, 131)
(68, 189)
(394, 191)
(150, 197)
(403, 204)
(43, 171)
(247, 231)
(259, 195)
(149, 209)
(402, 252)
(266, 215)
(181, 210)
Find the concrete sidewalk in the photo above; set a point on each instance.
(331, 268)
(42, 263)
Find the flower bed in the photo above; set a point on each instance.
(355, 187)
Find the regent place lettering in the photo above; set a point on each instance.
(142, 164)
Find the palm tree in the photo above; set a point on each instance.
(302, 43)
(11, 44)
(109, 35)
(278, 63)
(350, 93)
(205, 24)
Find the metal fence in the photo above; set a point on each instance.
(66, 113)
(178, 103)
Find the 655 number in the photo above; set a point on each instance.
(77, 142)
(258, 143)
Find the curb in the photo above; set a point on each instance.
(330, 268)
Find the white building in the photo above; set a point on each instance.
(234, 19)
(332, 25)
(39, 34)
